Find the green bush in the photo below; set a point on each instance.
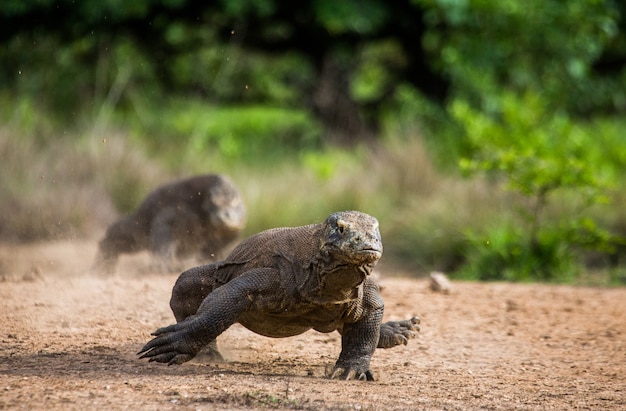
(505, 252)
(539, 153)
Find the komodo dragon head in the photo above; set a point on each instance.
(349, 248)
(352, 245)
(353, 238)
(224, 205)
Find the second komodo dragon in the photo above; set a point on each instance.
(283, 282)
(199, 215)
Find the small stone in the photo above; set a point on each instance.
(439, 283)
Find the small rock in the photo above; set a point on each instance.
(439, 283)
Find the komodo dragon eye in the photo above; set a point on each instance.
(341, 226)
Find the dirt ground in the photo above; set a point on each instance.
(68, 341)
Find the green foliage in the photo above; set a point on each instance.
(373, 77)
(327, 165)
(248, 132)
(87, 12)
(123, 171)
(428, 241)
(538, 153)
(412, 112)
(546, 45)
(229, 74)
(268, 52)
(536, 149)
(260, 134)
(260, 8)
(363, 17)
(504, 252)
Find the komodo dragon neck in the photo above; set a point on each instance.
(331, 281)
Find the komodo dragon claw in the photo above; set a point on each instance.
(169, 346)
(336, 373)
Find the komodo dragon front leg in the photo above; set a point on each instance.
(358, 343)
(220, 309)
(361, 338)
(190, 290)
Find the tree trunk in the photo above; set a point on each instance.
(343, 122)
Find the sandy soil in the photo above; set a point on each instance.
(68, 341)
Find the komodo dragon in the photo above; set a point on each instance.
(283, 282)
(199, 215)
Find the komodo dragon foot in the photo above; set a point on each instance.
(394, 333)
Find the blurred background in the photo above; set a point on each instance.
(487, 136)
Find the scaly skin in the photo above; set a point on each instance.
(283, 282)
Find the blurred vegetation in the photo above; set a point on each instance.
(539, 153)
(486, 136)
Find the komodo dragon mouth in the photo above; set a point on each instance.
(368, 254)
(372, 251)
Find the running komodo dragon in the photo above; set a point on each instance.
(283, 282)
(199, 215)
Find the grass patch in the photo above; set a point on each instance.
(254, 134)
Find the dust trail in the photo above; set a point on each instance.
(52, 290)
